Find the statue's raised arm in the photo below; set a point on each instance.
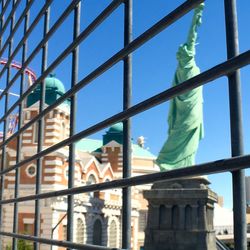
(196, 22)
(185, 119)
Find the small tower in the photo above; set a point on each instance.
(56, 123)
(112, 147)
(56, 129)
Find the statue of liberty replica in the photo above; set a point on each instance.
(185, 119)
(180, 212)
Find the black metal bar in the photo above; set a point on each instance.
(5, 127)
(4, 8)
(73, 103)
(31, 28)
(4, 137)
(19, 137)
(201, 79)
(59, 243)
(39, 46)
(220, 166)
(229, 68)
(2, 18)
(10, 16)
(66, 52)
(40, 142)
(139, 41)
(239, 192)
(127, 90)
(18, 23)
(163, 23)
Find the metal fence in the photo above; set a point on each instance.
(229, 68)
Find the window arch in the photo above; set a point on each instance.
(97, 232)
(91, 180)
(107, 179)
(79, 231)
(64, 130)
(35, 132)
(113, 234)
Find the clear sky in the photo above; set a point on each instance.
(154, 65)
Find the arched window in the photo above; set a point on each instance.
(35, 132)
(91, 180)
(80, 231)
(97, 233)
(64, 132)
(64, 228)
(112, 234)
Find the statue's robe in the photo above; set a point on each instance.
(185, 118)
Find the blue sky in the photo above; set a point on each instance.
(153, 69)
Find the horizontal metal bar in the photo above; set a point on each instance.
(20, 44)
(59, 243)
(13, 9)
(40, 45)
(66, 52)
(19, 21)
(201, 79)
(220, 166)
(151, 32)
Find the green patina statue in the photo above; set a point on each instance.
(185, 117)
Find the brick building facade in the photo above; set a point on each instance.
(97, 216)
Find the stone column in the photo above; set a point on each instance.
(178, 217)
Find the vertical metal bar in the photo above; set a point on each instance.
(41, 131)
(127, 90)
(239, 200)
(73, 103)
(4, 148)
(19, 137)
(1, 22)
(5, 127)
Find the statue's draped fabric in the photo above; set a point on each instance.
(185, 118)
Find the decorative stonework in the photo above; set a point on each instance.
(180, 215)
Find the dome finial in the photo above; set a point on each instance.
(52, 74)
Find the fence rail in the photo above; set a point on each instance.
(229, 68)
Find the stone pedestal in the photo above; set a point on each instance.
(180, 215)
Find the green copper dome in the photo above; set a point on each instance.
(53, 83)
(115, 133)
(116, 128)
(54, 89)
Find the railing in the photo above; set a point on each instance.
(229, 68)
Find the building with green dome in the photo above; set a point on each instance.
(115, 133)
(54, 89)
(97, 215)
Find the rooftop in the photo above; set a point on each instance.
(93, 145)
